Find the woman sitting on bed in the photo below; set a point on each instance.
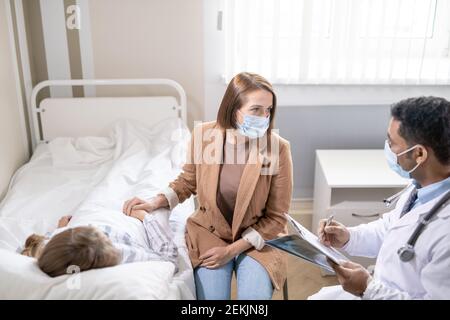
(89, 247)
(241, 173)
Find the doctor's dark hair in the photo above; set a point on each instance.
(426, 121)
(236, 95)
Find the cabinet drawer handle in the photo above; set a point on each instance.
(364, 216)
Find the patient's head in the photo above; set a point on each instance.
(84, 247)
(33, 245)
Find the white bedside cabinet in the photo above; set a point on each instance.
(351, 185)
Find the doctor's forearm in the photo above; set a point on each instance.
(377, 290)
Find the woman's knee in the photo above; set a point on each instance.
(213, 284)
(253, 280)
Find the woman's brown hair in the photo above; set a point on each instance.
(84, 247)
(236, 95)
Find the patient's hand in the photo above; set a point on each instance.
(64, 221)
(138, 214)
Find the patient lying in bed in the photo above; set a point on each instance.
(89, 247)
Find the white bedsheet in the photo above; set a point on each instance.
(91, 177)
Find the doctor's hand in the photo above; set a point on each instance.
(216, 257)
(335, 235)
(352, 276)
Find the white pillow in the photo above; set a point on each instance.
(14, 231)
(21, 278)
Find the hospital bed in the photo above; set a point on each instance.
(90, 155)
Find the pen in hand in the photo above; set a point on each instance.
(337, 235)
(329, 221)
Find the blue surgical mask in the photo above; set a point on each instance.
(392, 159)
(253, 126)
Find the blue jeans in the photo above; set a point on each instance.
(253, 281)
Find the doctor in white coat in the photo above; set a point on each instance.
(418, 147)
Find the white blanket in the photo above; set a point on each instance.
(91, 177)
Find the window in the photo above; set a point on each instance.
(339, 41)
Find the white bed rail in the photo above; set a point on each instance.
(35, 109)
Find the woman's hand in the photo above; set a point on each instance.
(216, 257)
(135, 203)
(219, 256)
(64, 221)
(129, 205)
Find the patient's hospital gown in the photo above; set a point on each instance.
(161, 246)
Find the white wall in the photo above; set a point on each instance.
(312, 117)
(13, 144)
(150, 39)
(121, 39)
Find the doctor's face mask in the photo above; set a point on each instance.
(392, 159)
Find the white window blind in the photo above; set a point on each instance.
(339, 41)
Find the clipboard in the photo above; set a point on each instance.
(306, 245)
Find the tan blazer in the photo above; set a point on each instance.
(261, 202)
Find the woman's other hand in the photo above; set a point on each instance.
(216, 257)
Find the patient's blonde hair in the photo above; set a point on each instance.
(84, 247)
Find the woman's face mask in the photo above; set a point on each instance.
(253, 126)
(392, 159)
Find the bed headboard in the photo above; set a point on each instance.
(91, 116)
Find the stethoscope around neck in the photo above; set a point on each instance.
(389, 201)
(406, 252)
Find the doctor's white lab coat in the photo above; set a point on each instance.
(426, 276)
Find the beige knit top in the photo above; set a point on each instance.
(235, 156)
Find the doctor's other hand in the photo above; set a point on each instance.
(335, 234)
(353, 277)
